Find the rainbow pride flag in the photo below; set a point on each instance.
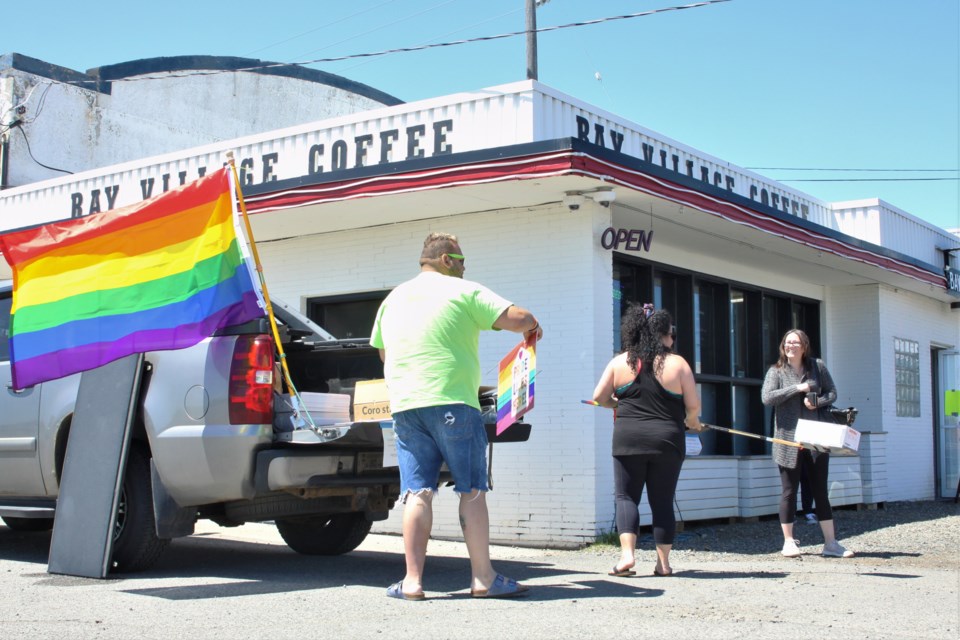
(162, 274)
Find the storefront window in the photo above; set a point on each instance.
(665, 292)
(708, 305)
(742, 421)
(732, 332)
(805, 316)
(776, 322)
(708, 414)
(738, 333)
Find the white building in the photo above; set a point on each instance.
(340, 207)
(73, 121)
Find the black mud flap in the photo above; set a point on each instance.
(172, 520)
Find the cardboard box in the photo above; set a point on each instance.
(370, 402)
(837, 437)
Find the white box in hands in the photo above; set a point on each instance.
(838, 437)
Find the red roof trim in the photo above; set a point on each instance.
(568, 162)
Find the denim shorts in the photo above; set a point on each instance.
(429, 436)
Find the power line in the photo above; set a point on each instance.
(860, 179)
(826, 169)
(323, 26)
(424, 47)
(448, 34)
(378, 28)
(30, 151)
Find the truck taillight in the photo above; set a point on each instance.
(251, 380)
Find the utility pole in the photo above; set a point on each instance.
(531, 12)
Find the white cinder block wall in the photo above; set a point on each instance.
(600, 421)
(557, 489)
(912, 317)
(852, 333)
(545, 490)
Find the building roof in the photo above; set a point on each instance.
(101, 78)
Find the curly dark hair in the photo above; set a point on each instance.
(641, 336)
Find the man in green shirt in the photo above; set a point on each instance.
(428, 332)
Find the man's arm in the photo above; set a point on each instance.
(519, 320)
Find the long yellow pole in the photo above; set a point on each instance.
(266, 294)
(754, 435)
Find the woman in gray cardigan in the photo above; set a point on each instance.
(786, 387)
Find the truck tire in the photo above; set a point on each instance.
(135, 543)
(28, 524)
(330, 535)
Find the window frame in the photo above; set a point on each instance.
(639, 280)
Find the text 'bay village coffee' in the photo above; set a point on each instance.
(379, 148)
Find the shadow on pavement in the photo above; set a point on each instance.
(225, 568)
(251, 568)
(765, 537)
(723, 575)
(25, 546)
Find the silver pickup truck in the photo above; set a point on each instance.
(212, 441)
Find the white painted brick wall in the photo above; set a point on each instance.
(557, 487)
(852, 333)
(861, 323)
(910, 473)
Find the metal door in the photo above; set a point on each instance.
(947, 423)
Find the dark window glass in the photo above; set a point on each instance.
(739, 336)
(729, 333)
(806, 316)
(776, 322)
(349, 316)
(709, 304)
(631, 284)
(667, 292)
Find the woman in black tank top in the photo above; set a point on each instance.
(655, 397)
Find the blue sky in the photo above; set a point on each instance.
(812, 84)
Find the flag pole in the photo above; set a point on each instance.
(266, 297)
(788, 443)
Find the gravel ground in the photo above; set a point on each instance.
(730, 583)
(923, 533)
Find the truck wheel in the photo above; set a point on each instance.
(28, 524)
(135, 543)
(330, 535)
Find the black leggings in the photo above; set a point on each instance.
(660, 473)
(818, 468)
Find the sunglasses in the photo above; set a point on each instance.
(457, 256)
(673, 332)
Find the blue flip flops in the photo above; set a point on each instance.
(502, 587)
(396, 591)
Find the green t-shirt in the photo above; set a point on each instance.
(430, 328)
